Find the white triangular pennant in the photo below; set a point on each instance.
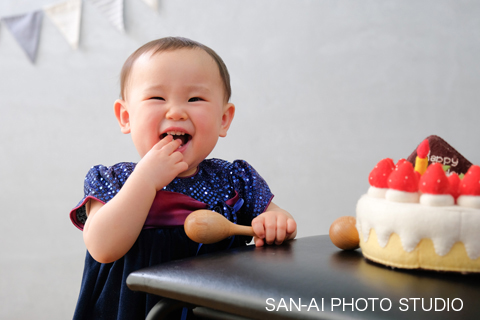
(66, 16)
(152, 4)
(112, 10)
(26, 30)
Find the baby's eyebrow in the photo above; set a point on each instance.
(200, 88)
(153, 87)
(188, 88)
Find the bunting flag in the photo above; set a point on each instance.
(152, 4)
(66, 16)
(26, 30)
(112, 10)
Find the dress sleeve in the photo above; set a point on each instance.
(252, 188)
(102, 184)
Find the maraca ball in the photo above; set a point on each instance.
(344, 234)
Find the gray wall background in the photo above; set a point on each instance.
(323, 89)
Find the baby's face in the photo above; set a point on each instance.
(180, 93)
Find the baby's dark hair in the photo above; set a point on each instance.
(170, 44)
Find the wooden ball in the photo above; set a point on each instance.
(343, 233)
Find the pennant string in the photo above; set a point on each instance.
(112, 10)
(26, 30)
(66, 16)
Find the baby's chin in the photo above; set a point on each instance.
(189, 172)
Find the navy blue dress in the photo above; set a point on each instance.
(235, 190)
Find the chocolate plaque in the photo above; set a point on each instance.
(442, 152)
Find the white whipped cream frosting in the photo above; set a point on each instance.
(413, 222)
(469, 201)
(402, 196)
(437, 200)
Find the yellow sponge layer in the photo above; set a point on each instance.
(422, 257)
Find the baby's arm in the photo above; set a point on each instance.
(112, 228)
(273, 226)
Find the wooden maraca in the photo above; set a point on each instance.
(205, 226)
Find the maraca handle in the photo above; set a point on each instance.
(240, 230)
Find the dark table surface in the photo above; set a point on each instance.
(309, 278)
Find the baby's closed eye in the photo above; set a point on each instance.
(195, 99)
(157, 98)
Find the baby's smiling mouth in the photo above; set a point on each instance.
(185, 137)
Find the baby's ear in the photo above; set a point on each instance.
(123, 117)
(228, 114)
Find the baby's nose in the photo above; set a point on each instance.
(176, 112)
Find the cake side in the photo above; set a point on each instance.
(412, 235)
(422, 257)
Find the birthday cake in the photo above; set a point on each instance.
(423, 212)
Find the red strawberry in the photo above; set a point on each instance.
(470, 184)
(378, 177)
(434, 180)
(399, 162)
(454, 181)
(403, 178)
(418, 174)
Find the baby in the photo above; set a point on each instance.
(175, 104)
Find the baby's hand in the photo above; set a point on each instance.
(273, 226)
(162, 163)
